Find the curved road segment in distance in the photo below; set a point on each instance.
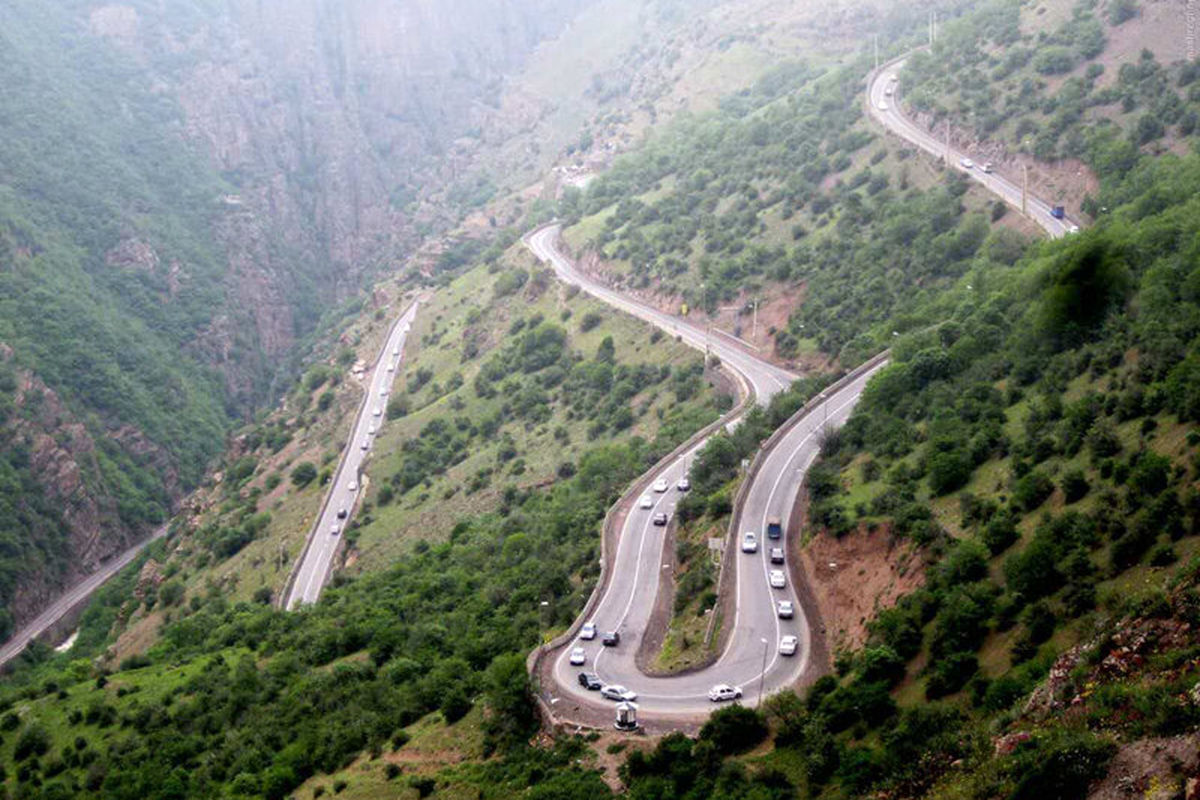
(72, 597)
(313, 570)
(885, 108)
(751, 659)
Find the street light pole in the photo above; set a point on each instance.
(762, 676)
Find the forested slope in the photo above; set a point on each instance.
(110, 279)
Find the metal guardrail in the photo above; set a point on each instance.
(739, 501)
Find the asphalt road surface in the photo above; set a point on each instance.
(344, 489)
(885, 108)
(751, 660)
(766, 378)
(72, 597)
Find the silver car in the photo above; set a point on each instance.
(617, 692)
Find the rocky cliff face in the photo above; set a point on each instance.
(326, 125)
(62, 459)
(332, 115)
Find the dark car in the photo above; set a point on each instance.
(660, 518)
(611, 639)
(776, 555)
(774, 528)
(590, 681)
(341, 513)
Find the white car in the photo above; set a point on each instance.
(335, 529)
(988, 167)
(366, 444)
(684, 484)
(588, 631)
(883, 106)
(395, 351)
(383, 392)
(370, 430)
(377, 412)
(646, 502)
(778, 581)
(888, 91)
(1072, 229)
(749, 542)
(967, 163)
(786, 609)
(391, 367)
(617, 692)
(353, 486)
(787, 645)
(661, 485)
(723, 691)
(578, 657)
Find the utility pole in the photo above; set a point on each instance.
(1025, 190)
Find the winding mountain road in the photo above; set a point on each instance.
(751, 659)
(325, 537)
(883, 103)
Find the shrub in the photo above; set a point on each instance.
(304, 474)
(734, 729)
(589, 321)
(1074, 486)
(1061, 766)
(32, 741)
(1032, 490)
(948, 471)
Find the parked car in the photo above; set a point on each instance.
(342, 513)
(578, 656)
(660, 518)
(335, 529)
(646, 502)
(661, 485)
(778, 581)
(787, 645)
(588, 631)
(617, 692)
(786, 609)
(610, 639)
(684, 484)
(749, 542)
(1072, 229)
(776, 555)
(723, 691)
(590, 681)
(988, 167)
